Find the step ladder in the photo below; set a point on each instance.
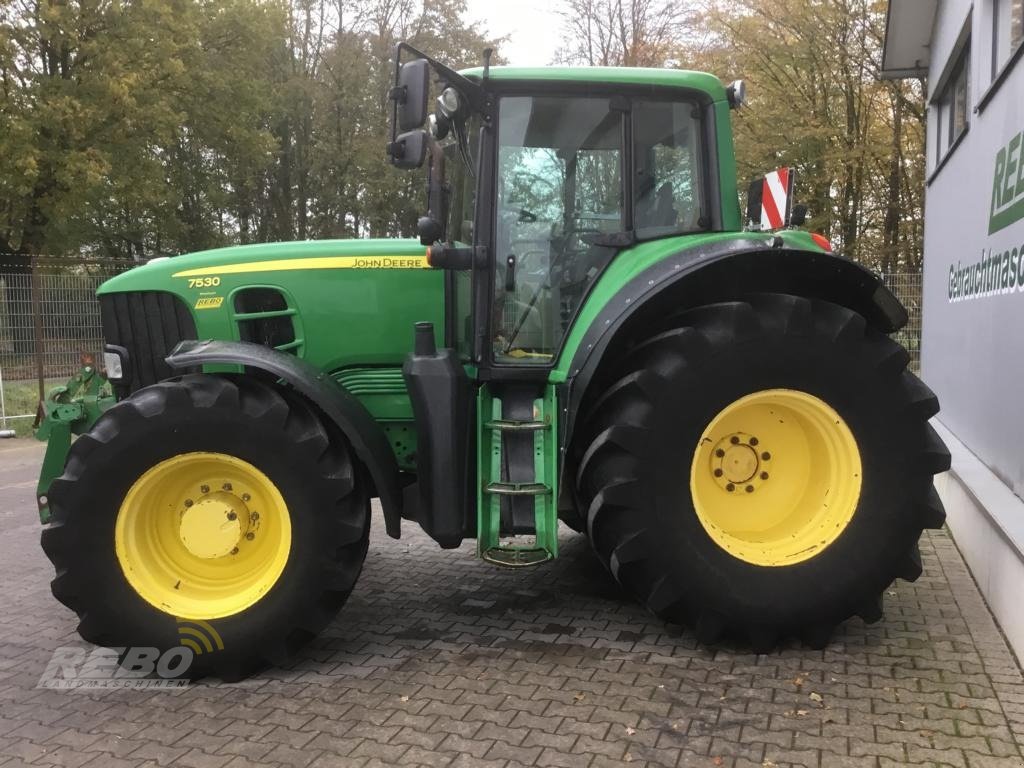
(496, 434)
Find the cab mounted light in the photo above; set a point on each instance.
(449, 103)
(736, 92)
(822, 242)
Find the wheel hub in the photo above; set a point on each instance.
(214, 526)
(740, 463)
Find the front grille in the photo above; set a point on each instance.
(148, 324)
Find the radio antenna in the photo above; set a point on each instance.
(487, 62)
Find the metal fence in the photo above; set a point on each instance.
(49, 317)
(907, 288)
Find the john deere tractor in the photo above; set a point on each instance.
(587, 329)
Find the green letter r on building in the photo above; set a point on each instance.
(1008, 185)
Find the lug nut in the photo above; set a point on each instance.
(188, 502)
(718, 473)
(250, 536)
(226, 486)
(766, 456)
(754, 441)
(246, 497)
(764, 475)
(730, 487)
(734, 440)
(204, 489)
(234, 551)
(719, 453)
(254, 516)
(232, 516)
(750, 489)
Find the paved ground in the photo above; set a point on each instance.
(441, 660)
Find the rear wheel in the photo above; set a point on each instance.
(762, 468)
(211, 513)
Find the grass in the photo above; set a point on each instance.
(20, 398)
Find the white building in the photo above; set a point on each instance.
(972, 54)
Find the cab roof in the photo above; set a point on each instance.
(671, 78)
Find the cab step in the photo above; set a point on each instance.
(517, 489)
(518, 471)
(507, 425)
(516, 557)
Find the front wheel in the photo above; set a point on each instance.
(762, 468)
(210, 513)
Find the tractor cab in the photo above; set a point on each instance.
(536, 182)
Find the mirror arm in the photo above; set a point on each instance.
(472, 91)
(437, 193)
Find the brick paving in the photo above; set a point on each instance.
(442, 660)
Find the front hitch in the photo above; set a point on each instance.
(68, 410)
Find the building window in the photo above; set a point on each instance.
(1007, 31)
(951, 106)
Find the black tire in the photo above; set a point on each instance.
(274, 431)
(639, 436)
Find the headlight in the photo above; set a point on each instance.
(115, 360)
(449, 102)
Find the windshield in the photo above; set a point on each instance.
(461, 179)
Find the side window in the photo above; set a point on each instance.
(1007, 31)
(951, 105)
(667, 163)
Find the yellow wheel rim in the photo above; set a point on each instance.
(776, 477)
(202, 535)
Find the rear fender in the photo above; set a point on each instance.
(719, 271)
(343, 409)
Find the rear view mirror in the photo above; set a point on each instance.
(411, 93)
(409, 149)
(799, 216)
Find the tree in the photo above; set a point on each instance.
(815, 102)
(856, 142)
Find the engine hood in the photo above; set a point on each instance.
(269, 258)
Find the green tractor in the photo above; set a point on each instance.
(587, 329)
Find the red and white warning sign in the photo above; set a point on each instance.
(776, 197)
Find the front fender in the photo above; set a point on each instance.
(344, 410)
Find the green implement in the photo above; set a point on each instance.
(68, 410)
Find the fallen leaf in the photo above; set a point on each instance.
(801, 712)
(630, 730)
(815, 697)
(798, 680)
(579, 697)
(627, 757)
(717, 760)
(404, 698)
